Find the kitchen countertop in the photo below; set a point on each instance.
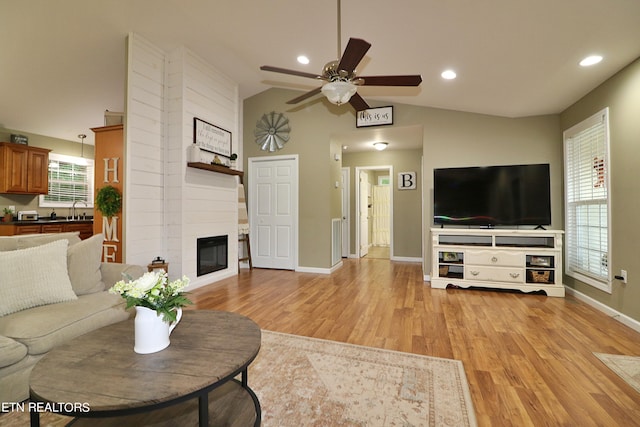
(87, 220)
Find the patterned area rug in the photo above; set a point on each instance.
(627, 367)
(310, 382)
(315, 382)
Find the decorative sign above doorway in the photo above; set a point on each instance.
(375, 117)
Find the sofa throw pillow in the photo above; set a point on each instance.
(83, 262)
(34, 276)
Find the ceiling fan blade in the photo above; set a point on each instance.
(353, 54)
(411, 80)
(358, 103)
(305, 96)
(291, 72)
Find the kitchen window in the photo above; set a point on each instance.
(587, 201)
(70, 180)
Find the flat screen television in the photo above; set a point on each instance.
(493, 195)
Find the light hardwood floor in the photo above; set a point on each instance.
(528, 358)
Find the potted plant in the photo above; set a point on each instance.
(8, 215)
(108, 201)
(233, 160)
(158, 304)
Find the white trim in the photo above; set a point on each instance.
(406, 259)
(601, 116)
(427, 278)
(316, 270)
(614, 314)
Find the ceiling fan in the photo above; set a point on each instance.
(341, 79)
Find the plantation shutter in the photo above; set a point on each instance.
(587, 201)
(70, 179)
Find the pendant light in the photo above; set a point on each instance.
(82, 136)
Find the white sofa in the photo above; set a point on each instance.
(53, 287)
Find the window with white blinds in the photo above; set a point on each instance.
(70, 179)
(587, 208)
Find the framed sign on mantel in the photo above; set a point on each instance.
(374, 117)
(211, 138)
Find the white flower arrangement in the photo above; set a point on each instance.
(153, 290)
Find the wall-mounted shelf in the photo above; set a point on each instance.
(216, 168)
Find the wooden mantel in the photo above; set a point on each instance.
(216, 168)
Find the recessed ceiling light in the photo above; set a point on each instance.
(591, 60)
(303, 59)
(449, 74)
(380, 145)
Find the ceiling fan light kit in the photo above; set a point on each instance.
(338, 92)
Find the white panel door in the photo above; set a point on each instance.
(364, 214)
(273, 213)
(345, 212)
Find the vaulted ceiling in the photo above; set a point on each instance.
(63, 62)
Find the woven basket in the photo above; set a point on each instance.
(443, 270)
(539, 276)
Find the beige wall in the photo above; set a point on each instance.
(621, 94)
(59, 146)
(453, 139)
(450, 138)
(407, 214)
(319, 200)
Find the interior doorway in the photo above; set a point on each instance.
(374, 211)
(273, 211)
(346, 230)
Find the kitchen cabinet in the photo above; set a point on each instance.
(84, 227)
(25, 170)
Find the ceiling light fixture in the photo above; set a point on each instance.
(590, 60)
(448, 75)
(380, 145)
(82, 136)
(303, 59)
(338, 92)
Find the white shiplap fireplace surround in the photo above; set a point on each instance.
(169, 205)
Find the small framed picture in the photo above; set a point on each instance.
(450, 256)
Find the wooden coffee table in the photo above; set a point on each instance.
(192, 381)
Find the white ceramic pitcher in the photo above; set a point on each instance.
(151, 331)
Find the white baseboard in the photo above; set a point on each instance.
(319, 270)
(336, 267)
(406, 259)
(615, 314)
(427, 278)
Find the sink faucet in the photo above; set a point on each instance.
(73, 208)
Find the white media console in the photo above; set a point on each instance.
(526, 260)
